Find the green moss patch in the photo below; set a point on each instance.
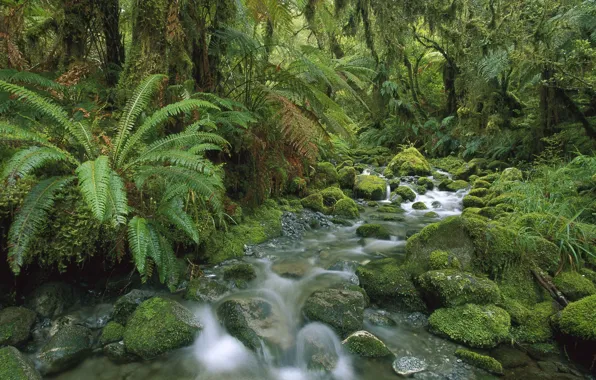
(480, 361)
(410, 162)
(578, 319)
(365, 344)
(376, 231)
(450, 287)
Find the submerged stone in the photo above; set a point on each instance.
(16, 366)
(376, 231)
(341, 309)
(365, 344)
(67, 348)
(15, 325)
(409, 365)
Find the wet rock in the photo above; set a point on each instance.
(376, 231)
(365, 344)
(253, 320)
(128, 303)
(206, 290)
(484, 362)
(379, 318)
(341, 309)
(15, 325)
(240, 272)
(417, 320)
(436, 204)
(16, 366)
(510, 357)
(370, 187)
(406, 193)
(159, 325)
(117, 353)
(51, 299)
(113, 332)
(408, 365)
(409, 162)
(67, 348)
(291, 268)
(419, 206)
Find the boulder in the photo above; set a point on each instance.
(347, 177)
(407, 366)
(15, 325)
(410, 162)
(419, 206)
(443, 260)
(341, 309)
(16, 366)
(113, 332)
(117, 353)
(473, 201)
(473, 325)
(291, 268)
(451, 287)
(390, 285)
(480, 361)
(67, 348)
(51, 299)
(240, 272)
(376, 231)
(314, 202)
(159, 325)
(346, 208)
(254, 320)
(574, 286)
(453, 186)
(206, 290)
(511, 174)
(465, 171)
(128, 303)
(407, 194)
(370, 187)
(578, 319)
(534, 325)
(426, 182)
(325, 175)
(365, 344)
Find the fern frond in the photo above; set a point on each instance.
(159, 117)
(76, 129)
(94, 182)
(177, 158)
(117, 201)
(27, 160)
(139, 239)
(135, 105)
(161, 252)
(173, 211)
(29, 78)
(31, 218)
(184, 139)
(202, 148)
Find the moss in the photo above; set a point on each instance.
(480, 361)
(453, 186)
(574, 286)
(489, 212)
(242, 272)
(332, 195)
(112, 332)
(365, 344)
(442, 260)
(376, 231)
(472, 201)
(535, 327)
(15, 325)
(325, 175)
(496, 165)
(511, 174)
(205, 290)
(431, 215)
(15, 366)
(157, 326)
(589, 274)
(391, 210)
(465, 171)
(473, 325)
(451, 287)
(578, 319)
(347, 177)
(406, 193)
(518, 312)
(410, 162)
(506, 198)
(342, 309)
(314, 202)
(394, 183)
(448, 163)
(346, 208)
(388, 173)
(426, 182)
(481, 193)
(390, 285)
(419, 206)
(371, 187)
(481, 184)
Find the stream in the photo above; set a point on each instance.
(321, 258)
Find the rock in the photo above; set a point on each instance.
(578, 319)
(431, 215)
(510, 357)
(480, 361)
(443, 260)
(291, 268)
(16, 366)
(511, 174)
(128, 303)
(376, 231)
(472, 201)
(453, 186)
(67, 348)
(117, 353)
(206, 290)
(476, 326)
(378, 318)
(574, 286)
(410, 162)
(426, 182)
(370, 187)
(419, 206)
(390, 285)
(346, 208)
(436, 204)
(51, 299)
(450, 287)
(535, 327)
(481, 184)
(325, 175)
(407, 194)
(253, 320)
(314, 202)
(365, 344)
(113, 332)
(409, 365)
(240, 272)
(15, 325)
(341, 309)
(159, 325)
(479, 192)
(465, 171)
(347, 177)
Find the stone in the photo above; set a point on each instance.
(347, 177)
(365, 344)
(341, 309)
(16, 366)
(113, 332)
(370, 187)
(67, 348)
(410, 162)
(291, 268)
(117, 353)
(15, 325)
(409, 365)
(419, 206)
(574, 286)
(128, 303)
(376, 231)
(51, 299)
(406, 193)
(480, 361)
(379, 318)
(450, 287)
(206, 290)
(240, 272)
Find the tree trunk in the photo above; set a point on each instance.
(110, 14)
(449, 76)
(74, 31)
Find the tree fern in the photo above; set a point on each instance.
(94, 182)
(31, 218)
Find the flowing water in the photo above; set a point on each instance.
(323, 258)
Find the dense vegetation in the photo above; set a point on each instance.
(164, 135)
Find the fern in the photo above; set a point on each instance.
(173, 211)
(139, 239)
(31, 218)
(94, 182)
(117, 202)
(28, 160)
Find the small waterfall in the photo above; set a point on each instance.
(388, 195)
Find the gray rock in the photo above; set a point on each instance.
(117, 353)
(51, 299)
(408, 365)
(65, 350)
(206, 290)
(341, 309)
(291, 268)
(365, 344)
(128, 303)
(15, 325)
(378, 318)
(16, 366)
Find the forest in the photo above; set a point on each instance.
(297, 189)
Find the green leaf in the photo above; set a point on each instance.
(94, 182)
(173, 211)
(139, 239)
(27, 160)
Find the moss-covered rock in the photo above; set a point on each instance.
(574, 286)
(68, 347)
(465, 171)
(480, 361)
(347, 177)
(240, 272)
(480, 192)
(388, 173)
(426, 182)
(391, 209)
(481, 184)
(472, 201)
(314, 202)
(341, 309)
(128, 303)
(410, 162)
(407, 194)
(511, 174)
(15, 325)
(450, 287)
(419, 206)
(578, 319)
(112, 332)
(377, 231)
(365, 344)
(394, 183)
(51, 299)
(346, 208)
(390, 285)
(205, 290)
(431, 215)
(332, 195)
(370, 187)
(325, 175)
(535, 327)
(443, 260)
(159, 325)
(453, 186)
(16, 366)
(474, 325)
